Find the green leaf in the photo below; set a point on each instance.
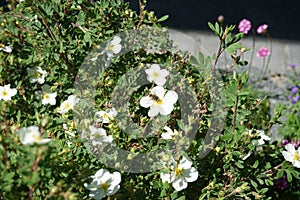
(255, 165)
(264, 190)
(280, 173)
(109, 32)
(174, 195)
(201, 58)
(181, 124)
(237, 37)
(233, 47)
(194, 60)
(239, 164)
(289, 176)
(181, 198)
(253, 183)
(211, 26)
(260, 181)
(164, 18)
(217, 28)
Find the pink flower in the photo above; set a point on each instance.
(263, 52)
(262, 29)
(244, 26)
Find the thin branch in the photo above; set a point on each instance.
(142, 7)
(34, 168)
(80, 27)
(235, 109)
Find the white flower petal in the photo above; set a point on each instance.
(158, 91)
(167, 135)
(191, 174)
(166, 109)
(296, 164)
(45, 141)
(179, 184)
(247, 156)
(146, 102)
(112, 112)
(164, 72)
(116, 40)
(288, 156)
(185, 163)
(155, 67)
(166, 177)
(290, 148)
(160, 81)
(154, 110)
(117, 48)
(116, 176)
(171, 97)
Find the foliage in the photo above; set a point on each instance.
(228, 148)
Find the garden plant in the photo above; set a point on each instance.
(97, 102)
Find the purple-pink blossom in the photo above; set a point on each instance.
(295, 143)
(281, 183)
(263, 52)
(293, 66)
(262, 29)
(284, 142)
(294, 89)
(294, 99)
(244, 26)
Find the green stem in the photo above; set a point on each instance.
(271, 49)
(253, 46)
(220, 51)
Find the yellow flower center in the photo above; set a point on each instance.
(105, 115)
(68, 106)
(155, 74)
(104, 186)
(4, 93)
(37, 138)
(159, 101)
(178, 171)
(46, 96)
(111, 47)
(97, 135)
(296, 156)
(36, 75)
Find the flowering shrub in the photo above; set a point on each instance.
(85, 115)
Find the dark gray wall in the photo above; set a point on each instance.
(281, 15)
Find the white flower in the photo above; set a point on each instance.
(180, 174)
(99, 136)
(263, 137)
(104, 184)
(69, 130)
(113, 47)
(49, 98)
(37, 75)
(30, 135)
(6, 92)
(247, 156)
(6, 49)
(106, 116)
(292, 155)
(157, 75)
(163, 104)
(68, 104)
(169, 135)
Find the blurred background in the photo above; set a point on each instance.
(282, 16)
